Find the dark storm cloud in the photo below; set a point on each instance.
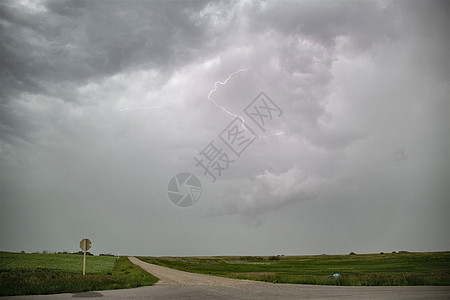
(67, 43)
(59, 46)
(102, 102)
(313, 33)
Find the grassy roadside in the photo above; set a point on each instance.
(36, 274)
(356, 270)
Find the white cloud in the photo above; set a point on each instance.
(270, 191)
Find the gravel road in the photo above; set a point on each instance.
(169, 276)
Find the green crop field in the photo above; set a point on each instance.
(363, 269)
(34, 274)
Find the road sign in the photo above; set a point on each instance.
(85, 245)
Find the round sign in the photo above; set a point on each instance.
(184, 189)
(85, 244)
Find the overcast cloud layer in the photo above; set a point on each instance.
(103, 102)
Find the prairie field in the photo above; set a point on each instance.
(358, 270)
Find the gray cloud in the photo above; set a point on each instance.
(271, 191)
(364, 22)
(102, 103)
(61, 45)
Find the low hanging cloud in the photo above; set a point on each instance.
(270, 191)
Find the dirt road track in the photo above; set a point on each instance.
(173, 277)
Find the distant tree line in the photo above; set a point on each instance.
(66, 252)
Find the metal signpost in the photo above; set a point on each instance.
(85, 245)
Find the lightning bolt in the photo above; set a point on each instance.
(275, 134)
(211, 92)
(216, 86)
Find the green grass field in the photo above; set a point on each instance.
(34, 274)
(360, 270)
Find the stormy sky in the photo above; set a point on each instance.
(103, 102)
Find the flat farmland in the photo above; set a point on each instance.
(35, 274)
(392, 269)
